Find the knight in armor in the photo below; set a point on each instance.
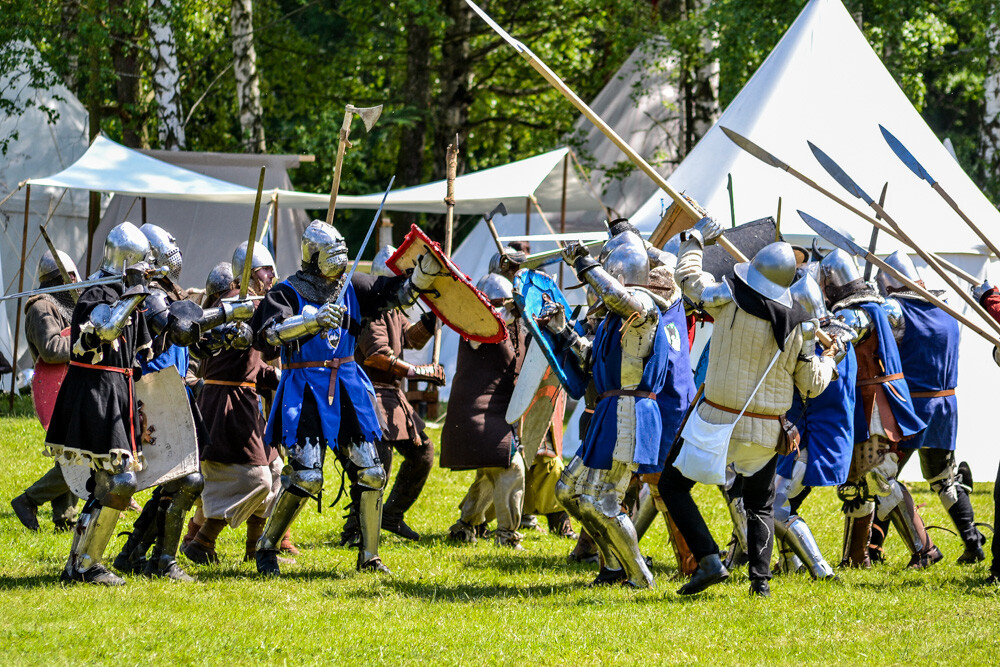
(989, 297)
(379, 352)
(46, 327)
(927, 339)
(826, 428)
(633, 359)
(764, 351)
(242, 474)
(324, 399)
(95, 419)
(175, 323)
(884, 417)
(476, 435)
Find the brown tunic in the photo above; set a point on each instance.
(44, 323)
(476, 433)
(390, 334)
(231, 414)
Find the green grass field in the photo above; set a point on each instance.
(475, 604)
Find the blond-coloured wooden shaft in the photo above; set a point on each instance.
(954, 205)
(342, 145)
(247, 264)
(271, 211)
(451, 163)
(20, 288)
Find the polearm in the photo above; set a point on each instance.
(848, 184)
(59, 263)
(841, 241)
(773, 161)
(451, 167)
(368, 115)
(688, 211)
(364, 244)
(873, 240)
(247, 263)
(911, 162)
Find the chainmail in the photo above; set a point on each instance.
(865, 294)
(314, 288)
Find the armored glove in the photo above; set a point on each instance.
(238, 336)
(432, 373)
(330, 315)
(425, 271)
(552, 316)
(576, 255)
(979, 291)
(705, 231)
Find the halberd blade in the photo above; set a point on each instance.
(753, 149)
(837, 238)
(839, 174)
(905, 155)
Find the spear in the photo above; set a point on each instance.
(848, 184)
(687, 212)
(911, 162)
(771, 160)
(841, 241)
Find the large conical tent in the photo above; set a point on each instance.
(824, 83)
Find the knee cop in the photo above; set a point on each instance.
(938, 468)
(365, 459)
(114, 490)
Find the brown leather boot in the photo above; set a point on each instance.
(201, 548)
(857, 535)
(686, 562)
(286, 545)
(193, 528)
(255, 528)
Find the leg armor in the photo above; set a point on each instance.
(904, 517)
(795, 534)
(132, 558)
(602, 506)
(301, 479)
(788, 561)
(737, 552)
(371, 481)
(938, 468)
(859, 512)
(508, 496)
(645, 515)
(178, 497)
(568, 498)
(97, 525)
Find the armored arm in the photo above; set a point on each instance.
(107, 322)
(857, 322)
(615, 296)
(812, 373)
(897, 320)
(390, 363)
(700, 287)
(293, 328)
(418, 333)
(553, 317)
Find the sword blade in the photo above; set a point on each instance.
(364, 244)
(839, 174)
(59, 263)
(63, 288)
(905, 156)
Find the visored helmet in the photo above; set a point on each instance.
(324, 243)
(164, 248)
(770, 272)
(837, 270)
(220, 279)
(903, 264)
(125, 246)
(48, 269)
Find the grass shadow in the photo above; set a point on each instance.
(462, 593)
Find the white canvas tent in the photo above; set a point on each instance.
(824, 83)
(40, 147)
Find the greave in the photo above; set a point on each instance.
(910, 526)
(645, 515)
(173, 510)
(92, 533)
(370, 520)
(571, 504)
(286, 508)
(622, 540)
(788, 560)
(796, 535)
(739, 517)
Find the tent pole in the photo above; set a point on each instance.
(527, 218)
(16, 190)
(20, 288)
(562, 211)
(93, 220)
(541, 214)
(274, 227)
(143, 210)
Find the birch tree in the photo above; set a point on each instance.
(990, 130)
(165, 76)
(251, 111)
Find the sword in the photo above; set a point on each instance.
(840, 240)
(247, 260)
(911, 162)
(107, 280)
(62, 267)
(364, 244)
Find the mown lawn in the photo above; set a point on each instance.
(479, 604)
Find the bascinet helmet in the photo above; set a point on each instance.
(770, 272)
(261, 258)
(837, 270)
(904, 265)
(125, 246)
(496, 288)
(220, 278)
(48, 270)
(380, 266)
(165, 250)
(324, 243)
(806, 292)
(624, 255)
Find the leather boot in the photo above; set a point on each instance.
(857, 535)
(255, 528)
(286, 545)
(686, 563)
(560, 525)
(201, 548)
(876, 549)
(710, 571)
(585, 550)
(192, 529)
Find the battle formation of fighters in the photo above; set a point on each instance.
(226, 405)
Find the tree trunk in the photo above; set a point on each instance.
(990, 134)
(166, 78)
(69, 34)
(456, 80)
(125, 60)
(247, 80)
(417, 93)
(700, 87)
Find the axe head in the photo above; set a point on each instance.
(368, 115)
(499, 208)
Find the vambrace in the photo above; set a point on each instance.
(292, 328)
(857, 321)
(224, 314)
(579, 345)
(808, 350)
(107, 322)
(615, 296)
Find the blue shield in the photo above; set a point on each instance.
(532, 290)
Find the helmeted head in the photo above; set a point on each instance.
(48, 269)
(262, 268)
(125, 246)
(806, 292)
(900, 261)
(770, 272)
(220, 279)
(324, 251)
(166, 254)
(506, 264)
(380, 263)
(624, 255)
(500, 292)
(836, 271)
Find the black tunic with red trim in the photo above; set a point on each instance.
(94, 415)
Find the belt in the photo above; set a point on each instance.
(746, 413)
(627, 392)
(326, 363)
(229, 383)
(932, 394)
(882, 379)
(127, 372)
